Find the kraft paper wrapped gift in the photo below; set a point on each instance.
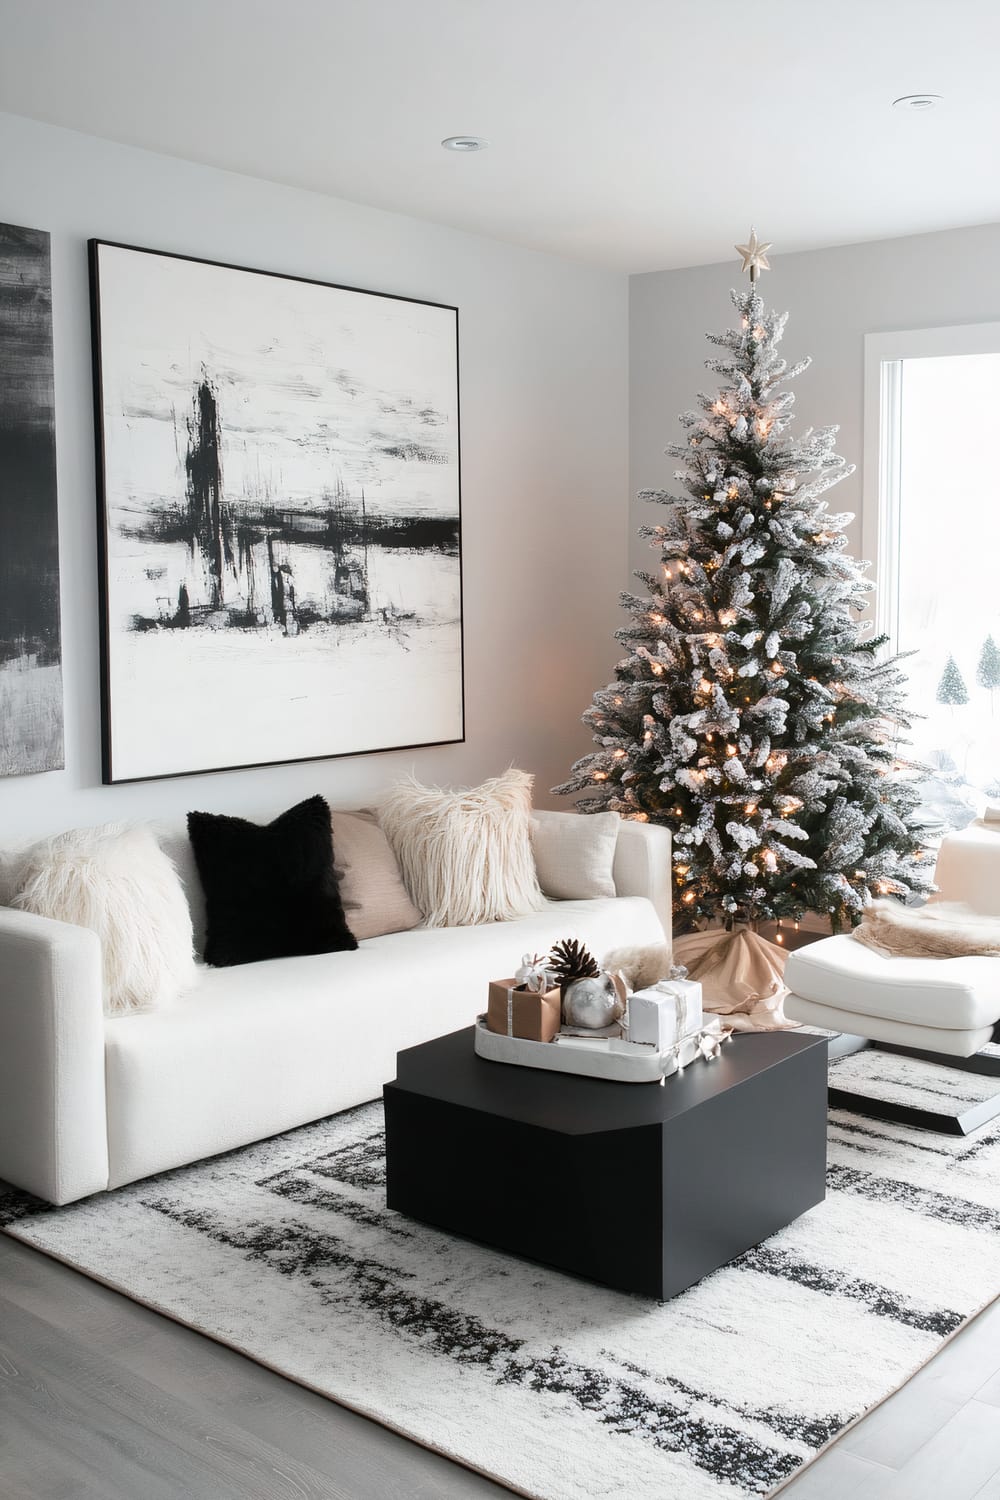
(514, 1010)
(664, 1013)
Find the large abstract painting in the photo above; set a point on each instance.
(280, 517)
(31, 702)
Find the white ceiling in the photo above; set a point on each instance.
(635, 134)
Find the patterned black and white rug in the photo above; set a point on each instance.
(556, 1387)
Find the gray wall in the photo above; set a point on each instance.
(834, 297)
(544, 386)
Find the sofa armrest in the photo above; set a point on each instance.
(53, 1115)
(642, 866)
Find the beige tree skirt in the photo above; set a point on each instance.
(741, 975)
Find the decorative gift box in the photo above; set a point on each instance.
(665, 1013)
(514, 1010)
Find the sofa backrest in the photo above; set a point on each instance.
(176, 845)
(641, 868)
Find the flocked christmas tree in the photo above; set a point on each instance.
(754, 715)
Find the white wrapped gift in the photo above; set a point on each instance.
(665, 1013)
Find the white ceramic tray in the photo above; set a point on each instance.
(598, 1057)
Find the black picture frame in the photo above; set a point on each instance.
(279, 516)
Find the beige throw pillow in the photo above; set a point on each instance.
(371, 887)
(118, 882)
(576, 855)
(465, 855)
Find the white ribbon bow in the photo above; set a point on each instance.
(533, 974)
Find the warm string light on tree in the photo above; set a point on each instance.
(752, 714)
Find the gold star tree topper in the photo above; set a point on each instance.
(754, 256)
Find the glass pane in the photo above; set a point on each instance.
(949, 579)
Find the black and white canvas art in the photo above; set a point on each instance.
(31, 701)
(280, 517)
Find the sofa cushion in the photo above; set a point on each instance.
(576, 856)
(118, 882)
(465, 855)
(253, 1051)
(371, 886)
(270, 892)
(959, 994)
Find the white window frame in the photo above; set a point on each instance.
(884, 355)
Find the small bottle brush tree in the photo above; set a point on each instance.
(988, 670)
(753, 715)
(952, 691)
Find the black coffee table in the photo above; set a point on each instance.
(642, 1186)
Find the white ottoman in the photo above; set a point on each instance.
(935, 1004)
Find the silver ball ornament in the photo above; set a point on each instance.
(592, 1003)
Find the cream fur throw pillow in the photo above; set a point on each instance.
(465, 855)
(118, 882)
(941, 929)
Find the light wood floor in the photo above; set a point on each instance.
(101, 1399)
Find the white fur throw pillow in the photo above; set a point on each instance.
(465, 855)
(118, 882)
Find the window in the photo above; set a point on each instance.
(932, 529)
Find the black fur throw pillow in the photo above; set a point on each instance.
(270, 891)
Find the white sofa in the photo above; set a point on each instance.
(89, 1102)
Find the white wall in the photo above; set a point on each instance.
(544, 388)
(834, 297)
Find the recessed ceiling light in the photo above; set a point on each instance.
(917, 101)
(464, 143)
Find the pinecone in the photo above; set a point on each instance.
(570, 960)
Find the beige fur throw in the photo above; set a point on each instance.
(465, 855)
(641, 966)
(941, 929)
